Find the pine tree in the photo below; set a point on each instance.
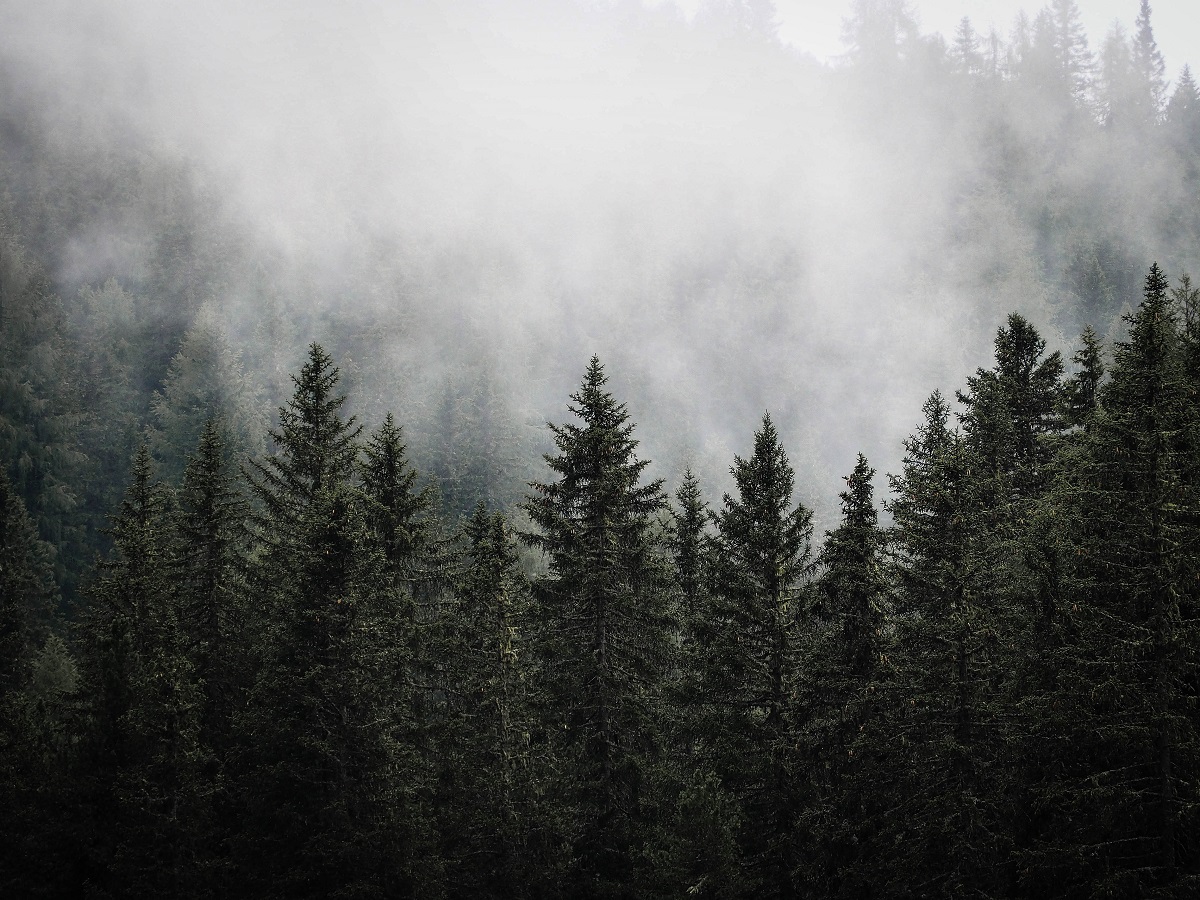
(602, 645)
(752, 631)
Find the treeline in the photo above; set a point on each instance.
(290, 679)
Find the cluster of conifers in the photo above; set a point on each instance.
(290, 681)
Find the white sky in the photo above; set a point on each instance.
(816, 25)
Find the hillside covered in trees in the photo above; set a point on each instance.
(300, 597)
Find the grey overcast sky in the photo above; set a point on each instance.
(816, 25)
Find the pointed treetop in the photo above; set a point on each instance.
(768, 466)
(858, 509)
(967, 56)
(1081, 390)
(1147, 59)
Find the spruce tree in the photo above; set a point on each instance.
(1149, 64)
(205, 382)
(844, 657)
(954, 637)
(1081, 391)
(1119, 806)
(400, 515)
(1183, 116)
(602, 641)
(689, 543)
(316, 449)
(1072, 55)
(852, 587)
(1011, 409)
(968, 60)
(752, 631)
(322, 735)
(486, 796)
(142, 759)
(35, 843)
(209, 566)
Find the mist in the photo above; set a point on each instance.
(439, 189)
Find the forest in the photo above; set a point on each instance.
(447, 550)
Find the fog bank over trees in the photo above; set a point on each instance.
(486, 194)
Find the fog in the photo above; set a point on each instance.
(511, 187)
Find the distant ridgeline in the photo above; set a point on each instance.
(290, 676)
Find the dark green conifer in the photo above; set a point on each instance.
(1081, 391)
(145, 793)
(315, 449)
(603, 634)
(485, 807)
(953, 637)
(753, 633)
(325, 768)
(1120, 802)
(34, 817)
(1012, 408)
(689, 542)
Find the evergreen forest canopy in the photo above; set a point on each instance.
(298, 599)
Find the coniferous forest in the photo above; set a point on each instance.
(308, 590)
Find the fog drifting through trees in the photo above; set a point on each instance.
(516, 186)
